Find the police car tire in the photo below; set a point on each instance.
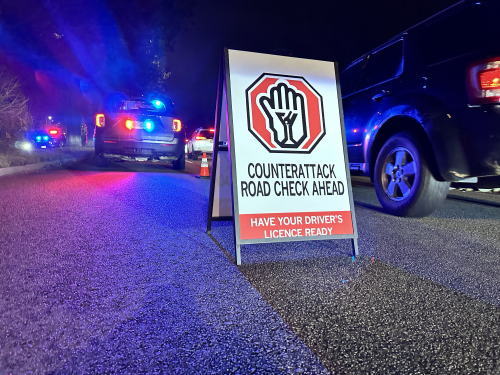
(180, 164)
(195, 156)
(426, 193)
(100, 161)
(190, 155)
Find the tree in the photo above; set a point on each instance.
(14, 111)
(72, 54)
(149, 30)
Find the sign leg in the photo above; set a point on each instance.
(238, 255)
(355, 251)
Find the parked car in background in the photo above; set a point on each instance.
(48, 137)
(138, 129)
(423, 109)
(201, 141)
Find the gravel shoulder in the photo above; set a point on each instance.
(16, 158)
(423, 297)
(386, 321)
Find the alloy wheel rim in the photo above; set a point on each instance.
(399, 174)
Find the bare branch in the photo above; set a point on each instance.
(14, 112)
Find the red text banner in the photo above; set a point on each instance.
(295, 224)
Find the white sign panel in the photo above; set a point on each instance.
(289, 168)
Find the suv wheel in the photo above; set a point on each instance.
(195, 155)
(403, 181)
(180, 164)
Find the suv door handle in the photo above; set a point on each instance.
(382, 95)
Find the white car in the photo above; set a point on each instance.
(201, 141)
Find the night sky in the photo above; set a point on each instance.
(100, 48)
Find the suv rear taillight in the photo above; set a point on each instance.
(99, 120)
(483, 81)
(176, 125)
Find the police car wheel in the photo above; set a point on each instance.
(404, 184)
(180, 164)
(100, 161)
(195, 156)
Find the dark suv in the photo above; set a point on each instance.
(423, 109)
(137, 129)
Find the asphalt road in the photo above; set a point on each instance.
(110, 271)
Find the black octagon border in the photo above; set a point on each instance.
(265, 144)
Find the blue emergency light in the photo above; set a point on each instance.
(149, 125)
(158, 104)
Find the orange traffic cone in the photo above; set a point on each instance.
(204, 173)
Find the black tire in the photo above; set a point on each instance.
(190, 154)
(100, 161)
(195, 156)
(180, 164)
(413, 192)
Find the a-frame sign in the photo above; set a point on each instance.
(279, 166)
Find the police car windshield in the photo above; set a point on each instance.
(144, 106)
(128, 105)
(206, 133)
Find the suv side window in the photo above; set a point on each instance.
(383, 65)
(456, 35)
(349, 79)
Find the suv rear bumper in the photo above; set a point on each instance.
(141, 149)
(203, 146)
(477, 144)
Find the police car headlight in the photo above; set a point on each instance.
(26, 146)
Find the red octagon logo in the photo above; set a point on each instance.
(285, 113)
